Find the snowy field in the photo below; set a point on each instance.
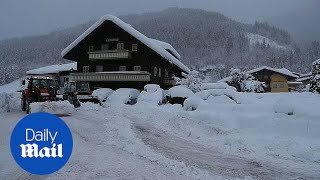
(254, 136)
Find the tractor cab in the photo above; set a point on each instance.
(38, 89)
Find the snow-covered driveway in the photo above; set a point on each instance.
(165, 142)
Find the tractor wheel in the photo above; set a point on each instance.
(23, 103)
(28, 108)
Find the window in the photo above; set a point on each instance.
(278, 86)
(85, 68)
(137, 68)
(155, 71)
(134, 47)
(120, 46)
(166, 73)
(159, 72)
(104, 47)
(99, 68)
(91, 48)
(122, 68)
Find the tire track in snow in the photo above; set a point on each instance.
(200, 157)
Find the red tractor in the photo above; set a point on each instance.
(38, 89)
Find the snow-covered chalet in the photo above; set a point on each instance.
(276, 80)
(111, 53)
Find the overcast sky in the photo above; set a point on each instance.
(32, 17)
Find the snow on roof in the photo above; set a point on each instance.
(283, 71)
(128, 28)
(53, 69)
(316, 62)
(303, 79)
(167, 46)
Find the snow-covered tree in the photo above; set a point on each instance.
(315, 80)
(191, 81)
(245, 82)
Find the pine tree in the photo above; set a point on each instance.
(315, 80)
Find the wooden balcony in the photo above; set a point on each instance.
(169, 82)
(115, 76)
(109, 54)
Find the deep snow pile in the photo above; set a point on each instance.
(58, 107)
(219, 85)
(11, 87)
(10, 102)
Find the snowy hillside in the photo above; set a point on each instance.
(201, 38)
(256, 39)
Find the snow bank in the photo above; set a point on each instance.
(10, 102)
(231, 94)
(102, 93)
(152, 94)
(180, 91)
(4, 102)
(123, 96)
(58, 107)
(219, 85)
(12, 87)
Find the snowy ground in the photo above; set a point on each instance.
(263, 136)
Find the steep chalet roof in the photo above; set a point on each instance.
(53, 69)
(157, 46)
(283, 71)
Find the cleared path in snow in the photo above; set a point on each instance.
(201, 157)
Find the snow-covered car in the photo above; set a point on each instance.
(124, 96)
(102, 93)
(152, 94)
(178, 94)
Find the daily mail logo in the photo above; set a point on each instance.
(32, 150)
(41, 143)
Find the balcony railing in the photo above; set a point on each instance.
(169, 82)
(112, 76)
(109, 54)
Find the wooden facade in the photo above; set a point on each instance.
(111, 57)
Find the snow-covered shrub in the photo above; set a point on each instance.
(245, 82)
(123, 96)
(191, 81)
(315, 80)
(192, 103)
(102, 93)
(152, 94)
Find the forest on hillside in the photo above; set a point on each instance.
(202, 38)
